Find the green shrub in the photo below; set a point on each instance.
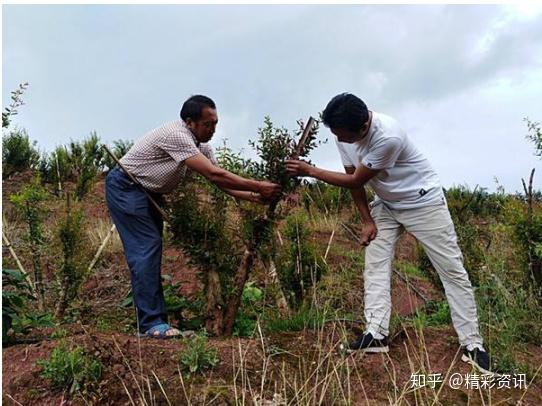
(298, 265)
(528, 233)
(87, 158)
(251, 307)
(18, 153)
(79, 161)
(29, 202)
(465, 204)
(217, 235)
(197, 356)
(71, 371)
(15, 295)
(120, 148)
(72, 268)
(326, 198)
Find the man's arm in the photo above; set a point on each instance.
(369, 230)
(244, 195)
(355, 180)
(227, 180)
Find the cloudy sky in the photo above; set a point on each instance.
(459, 78)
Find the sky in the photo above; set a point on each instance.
(460, 79)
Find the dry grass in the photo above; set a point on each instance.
(98, 230)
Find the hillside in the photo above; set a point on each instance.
(275, 360)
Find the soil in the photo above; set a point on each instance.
(133, 365)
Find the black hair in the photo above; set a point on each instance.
(193, 107)
(345, 111)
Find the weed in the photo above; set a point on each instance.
(304, 318)
(197, 356)
(59, 333)
(71, 371)
(435, 313)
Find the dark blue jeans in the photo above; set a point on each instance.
(140, 228)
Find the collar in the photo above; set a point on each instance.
(370, 128)
(183, 124)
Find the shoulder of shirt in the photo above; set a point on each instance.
(387, 126)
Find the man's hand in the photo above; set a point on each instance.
(368, 233)
(295, 167)
(269, 190)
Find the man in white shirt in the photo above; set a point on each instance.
(376, 151)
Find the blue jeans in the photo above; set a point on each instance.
(140, 228)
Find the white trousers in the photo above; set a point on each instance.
(433, 228)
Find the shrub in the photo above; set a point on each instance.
(251, 307)
(18, 153)
(227, 243)
(16, 293)
(298, 265)
(29, 202)
(466, 204)
(87, 159)
(71, 371)
(120, 148)
(327, 198)
(528, 233)
(72, 268)
(197, 355)
(80, 161)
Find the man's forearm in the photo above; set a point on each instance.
(360, 199)
(334, 178)
(227, 180)
(219, 176)
(241, 194)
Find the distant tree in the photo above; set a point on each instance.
(18, 153)
(120, 148)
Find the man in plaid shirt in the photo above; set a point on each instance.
(158, 161)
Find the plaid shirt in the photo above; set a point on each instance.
(157, 159)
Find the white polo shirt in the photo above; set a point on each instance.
(406, 179)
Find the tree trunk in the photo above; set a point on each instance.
(62, 303)
(215, 305)
(239, 284)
